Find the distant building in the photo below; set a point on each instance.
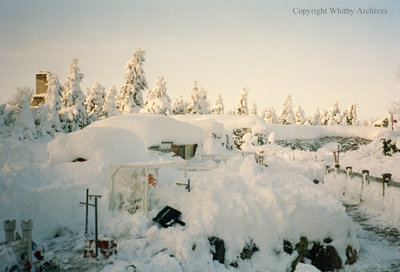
(184, 151)
(42, 78)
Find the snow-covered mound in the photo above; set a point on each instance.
(230, 122)
(153, 129)
(239, 203)
(104, 144)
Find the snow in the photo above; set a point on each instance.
(239, 201)
(153, 129)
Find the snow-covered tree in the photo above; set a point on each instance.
(287, 115)
(204, 106)
(324, 117)
(270, 116)
(109, 106)
(253, 109)
(24, 125)
(219, 106)
(178, 106)
(350, 116)
(94, 102)
(300, 116)
(242, 108)
(193, 104)
(316, 119)
(130, 96)
(53, 102)
(42, 121)
(73, 112)
(334, 117)
(157, 100)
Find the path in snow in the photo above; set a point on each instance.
(380, 246)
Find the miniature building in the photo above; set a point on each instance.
(42, 78)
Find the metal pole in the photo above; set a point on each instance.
(87, 211)
(96, 227)
(189, 185)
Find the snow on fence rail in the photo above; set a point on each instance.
(365, 177)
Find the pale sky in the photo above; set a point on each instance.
(224, 45)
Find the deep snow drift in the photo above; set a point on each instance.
(240, 202)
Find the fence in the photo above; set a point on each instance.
(386, 178)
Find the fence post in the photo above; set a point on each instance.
(327, 167)
(386, 178)
(349, 170)
(365, 174)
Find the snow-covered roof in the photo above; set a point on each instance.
(153, 129)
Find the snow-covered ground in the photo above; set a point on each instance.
(239, 202)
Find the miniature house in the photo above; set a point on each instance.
(42, 78)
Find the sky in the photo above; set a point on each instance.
(271, 47)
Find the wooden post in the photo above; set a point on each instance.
(386, 178)
(327, 168)
(365, 174)
(349, 170)
(87, 210)
(96, 227)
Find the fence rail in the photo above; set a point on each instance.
(386, 178)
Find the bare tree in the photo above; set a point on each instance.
(21, 92)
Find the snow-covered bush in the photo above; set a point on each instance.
(300, 116)
(253, 109)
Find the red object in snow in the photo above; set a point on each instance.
(395, 121)
(27, 266)
(106, 247)
(38, 255)
(152, 180)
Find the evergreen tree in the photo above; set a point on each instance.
(300, 117)
(204, 106)
(350, 116)
(316, 119)
(157, 100)
(219, 106)
(324, 117)
(53, 102)
(287, 115)
(242, 108)
(109, 107)
(73, 112)
(24, 125)
(334, 117)
(179, 106)
(94, 103)
(253, 109)
(193, 106)
(42, 121)
(270, 116)
(130, 97)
